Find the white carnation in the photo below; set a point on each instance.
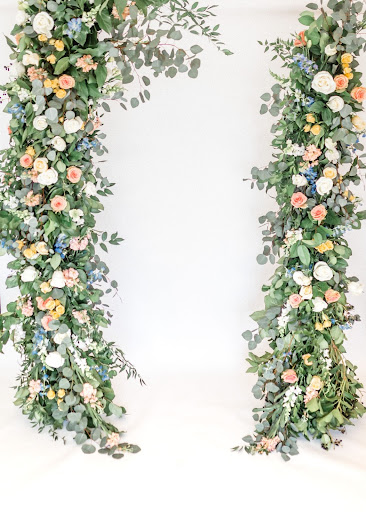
(73, 125)
(16, 70)
(330, 50)
(58, 143)
(301, 279)
(355, 287)
(30, 59)
(58, 280)
(90, 189)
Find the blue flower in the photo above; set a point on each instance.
(74, 27)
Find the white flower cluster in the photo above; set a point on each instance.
(293, 236)
(290, 398)
(283, 318)
(89, 18)
(293, 149)
(332, 154)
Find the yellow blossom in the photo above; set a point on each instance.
(51, 59)
(51, 394)
(51, 304)
(41, 248)
(319, 326)
(20, 244)
(55, 315)
(30, 151)
(349, 75)
(60, 309)
(327, 324)
(310, 118)
(347, 70)
(52, 41)
(346, 58)
(47, 83)
(45, 287)
(61, 93)
(330, 172)
(30, 252)
(325, 246)
(307, 128)
(306, 358)
(54, 83)
(315, 129)
(59, 45)
(42, 38)
(61, 393)
(316, 383)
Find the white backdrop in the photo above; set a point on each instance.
(189, 280)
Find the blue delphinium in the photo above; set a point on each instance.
(306, 65)
(74, 27)
(38, 339)
(60, 245)
(311, 175)
(18, 111)
(86, 144)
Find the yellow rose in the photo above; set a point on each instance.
(45, 287)
(315, 129)
(47, 83)
(51, 394)
(51, 59)
(316, 383)
(330, 172)
(42, 248)
(347, 70)
(307, 128)
(318, 326)
(349, 75)
(358, 123)
(306, 358)
(40, 165)
(20, 244)
(329, 245)
(30, 252)
(61, 93)
(42, 38)
(61, 393)
(60, 309)
(61, 119)
(30, 151)
(310, 118)
(54, 82)
(55, 315)
(346, 58)
(52, 41)
(59, 45)
(50, 304)
(321, 248)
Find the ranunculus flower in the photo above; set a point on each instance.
(54, 360)
(90, 189)
(355, 287)
(30, 58)
(359, 94)
(40, 164)
(319, 212)
(43, 24)
(358, 123)
(26, 161)
(301, 279)
(48, 177)
(341, 82)
(332, 296)
(58, 143)
(29, 274)
(316, 383)
(299, 180)
(319, 304)
(46, 321)
(330, 172)
(335, 103)
(323, 82)
(73, 125)
(301, 41)
(324, 185)
(330, 50)
(58, 203)
(289, 376)
(58, 280)
(298, 200)
(74, 174)
(40, 123)
(66, 82)
(295, 300)
(322, 271)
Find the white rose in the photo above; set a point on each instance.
(73, 125)
(59, 338)
(319, 304)
(355, 287)
(21, 18)
(48, 177)
(306, 292)
(335, 103)
(332, 155)
(30, 58)
(323, 82)
(43, 24)
(40, 123)
(299, 180)
(301, 279)
(330, 50)
(54, 360)
(16, 70)
(58, 143)
(90, 189)
(322, 271)
(324, 185)
(58, 280)
(77, 216)
(29, 274)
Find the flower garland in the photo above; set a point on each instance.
(307, 384)
(70, 56)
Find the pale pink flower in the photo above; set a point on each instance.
(310, 394)
(36, 74)
(113, 440)
(71, 276)
(312, 153)
(81, 316)
(86, 63)
(89, 393)
(27, 308)
(31, 199)
(289, 376)
(34, 387)
(79, 245)
(268, 444)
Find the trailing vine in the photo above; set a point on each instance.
(69, 58)
(308, 386)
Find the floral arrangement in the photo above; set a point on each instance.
(308, 386)
(68, 59)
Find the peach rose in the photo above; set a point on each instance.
(40, 304)
(295, 300)
(298, 199)
(301, 39)
(341, 82)
(26, 161)
(319, 212)
(66, 82)
(58, 203)
(289, 376)
(74, 174)
(332, 296)
(46, 321)
(359, 94)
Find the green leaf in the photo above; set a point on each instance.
(196, 49)
(247, 335)
(55, 261)
(313, 405)
(61, 65)
(88, 448)
(304, 255)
